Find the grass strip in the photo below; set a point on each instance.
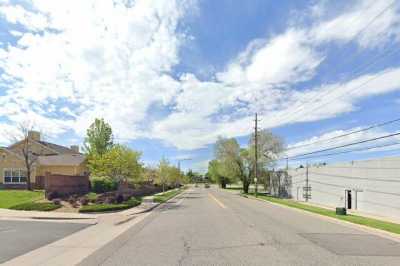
(163, 197)
(356, 219)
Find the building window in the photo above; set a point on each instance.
(14, 176)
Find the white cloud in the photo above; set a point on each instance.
(105, 58)
(19, 15)
(286, 58)
(370, 22)
(108, 59)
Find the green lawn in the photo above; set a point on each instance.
(9, 198)
(374, 223)
(163, 197)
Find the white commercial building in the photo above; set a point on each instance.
(370, 186)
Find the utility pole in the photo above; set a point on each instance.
(307, 188)
(256, 154)
(287, 164)
(307, 183)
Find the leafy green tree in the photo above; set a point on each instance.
(118, 163)
(168, 175)
(99, 138)
(191, 176)
(237, 162)
(216, 173)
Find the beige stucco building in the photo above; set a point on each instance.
(45, 156)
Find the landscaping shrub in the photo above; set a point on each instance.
(92, 197)
(103, 184)
(134, 201)
(52, 195)
(111, 207)
(57, 201)
(36, 206)
(104, 207)
(84, 201)
(119, 198)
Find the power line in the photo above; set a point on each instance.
(345, 145)
(324, 94)
(359, 33)
(369, 168)
(347, 134)
(349, 151)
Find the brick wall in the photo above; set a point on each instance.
(65, 185)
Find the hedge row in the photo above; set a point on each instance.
(36, 206)
(111, 207)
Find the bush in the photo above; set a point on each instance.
(119, 198)
(84, 201)
(111, 207)
(104, 207)
(134, 201)
(36, 206)
(92, 196)
(52, 195)
(103, 184)
(57, 201)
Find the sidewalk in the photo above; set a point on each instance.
(6, 214)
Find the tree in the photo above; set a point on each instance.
(99, 138)
(230, 161)
(119, 163)
(239, 162)
(191, 176)
(26, 149)
(168, 174)
(216, 173)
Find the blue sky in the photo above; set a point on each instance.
(172, 76)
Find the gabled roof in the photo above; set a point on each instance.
(11, 152)
(58, 148)
(62, 160)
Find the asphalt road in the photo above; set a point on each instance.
(214, 227)
(20, 237)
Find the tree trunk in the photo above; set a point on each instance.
(246, 185)
(28, 179)
(223, 184)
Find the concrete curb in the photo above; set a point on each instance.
(392, 236)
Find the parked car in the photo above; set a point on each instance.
(206, 185)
